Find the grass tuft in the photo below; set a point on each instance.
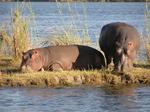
(20, 33)
(67, 38)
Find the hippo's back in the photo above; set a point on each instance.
(118, 32)
(78, 56)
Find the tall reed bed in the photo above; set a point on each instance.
(5, 42)
(17, 40)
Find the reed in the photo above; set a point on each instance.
(70, 34)
(5, 42)
(17, 40)
(68, 37)
(20, 33)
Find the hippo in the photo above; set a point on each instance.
(120, 43)
(65, 57)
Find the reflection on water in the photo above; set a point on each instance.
(77, 99)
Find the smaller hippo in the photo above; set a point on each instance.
(67, 57)
(120, 42)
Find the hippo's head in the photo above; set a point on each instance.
(31, 61)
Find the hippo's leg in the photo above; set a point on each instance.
(131, 58)
(124, 62)
(56, 67)
(117, 63)
(109, 60)
(130, 63)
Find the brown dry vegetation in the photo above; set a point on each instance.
(11, 77)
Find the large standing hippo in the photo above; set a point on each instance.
(66, 57)
(120, 42)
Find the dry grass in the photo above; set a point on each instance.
(147, 46)
(20, 33)
(139, 75)
(17, 40)
(72, 33)
(67, 37)
(5, 43)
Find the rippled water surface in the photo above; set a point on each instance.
(77, 99)
(91, 16)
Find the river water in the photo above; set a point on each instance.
(75, 99)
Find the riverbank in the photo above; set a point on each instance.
(139, 75)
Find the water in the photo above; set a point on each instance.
(77, 99)
(91, 16)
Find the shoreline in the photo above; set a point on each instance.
(137, 76)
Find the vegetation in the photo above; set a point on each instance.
(17, 41)
(138, 75)
(71, 33)
(5, 43)
(19, 33)
(67, 38)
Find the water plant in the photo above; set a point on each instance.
(20, 34)
(17, 40)
(5, 42)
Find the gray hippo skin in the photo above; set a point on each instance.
(56, 58)
(120, 42)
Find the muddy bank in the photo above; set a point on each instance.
(72, 78)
